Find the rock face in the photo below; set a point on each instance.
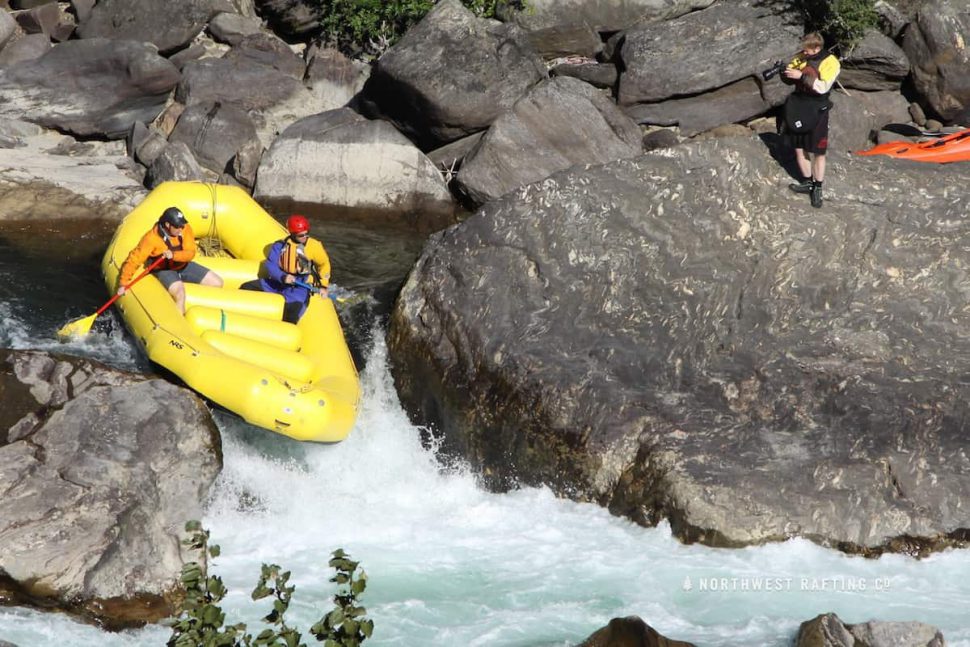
(214, 133)
(559, 123)
(334, 79)
(36, 185)
(270, 51)
(358, 169)
(26, 48)
(680, 337)
(828, 630)
(451, 75)
(273, 98)
(8, 27)
(167, 24)
(735, 102)
(630, 632)
(99, 471)
(876, 63)
(292, 18)
(937, 48)
(673, 59)
(559, 27)
(239, 80)
(89, 87)
(175, 162)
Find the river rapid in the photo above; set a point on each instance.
(448, 563)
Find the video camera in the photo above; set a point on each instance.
(773, 71)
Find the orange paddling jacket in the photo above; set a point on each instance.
(152, 245)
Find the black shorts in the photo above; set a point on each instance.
(817, 141)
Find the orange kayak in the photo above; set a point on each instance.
(954, 147)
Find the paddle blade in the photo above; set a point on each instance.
(77, 328)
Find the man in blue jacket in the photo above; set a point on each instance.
(294, 260)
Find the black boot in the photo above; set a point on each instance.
(805, 186)
(816, 194)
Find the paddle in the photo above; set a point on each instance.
(315, 290)
(81, 327)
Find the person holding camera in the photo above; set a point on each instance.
(806, 126)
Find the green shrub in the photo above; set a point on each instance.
(368, 27)
(345, 626)
(201, 621)
(843, 22)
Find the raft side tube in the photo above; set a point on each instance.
(233, 271)
(280, 334)
(247, 302)
(305, 414)
(323, 337)
(286, 363)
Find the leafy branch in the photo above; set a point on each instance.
(201, 621)
(843, 22)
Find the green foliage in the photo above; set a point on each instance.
(201, 619)
(369, 27)
(201, 622)
(843, 22)
(345, 626)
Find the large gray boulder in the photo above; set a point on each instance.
(559, 123)
(828, 630)
(559, 27)
(703, 51)
(214, 133)
(273, 99)
(268, 50)
(8, 27)
(176, 162)
(231, 28)
(876, 63)
(26, 48)
(679, 336)
(853, 119)
(631, 631)
(239, 80)
(343, 165)
(451, 75)
(292, 19)
(89, 87)
(99, 471)
(936, 46)
(170, 25)
(333, 78)
(885, 107)
(736, 102)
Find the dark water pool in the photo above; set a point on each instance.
(50, 274)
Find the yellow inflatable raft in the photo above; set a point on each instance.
(232, 345)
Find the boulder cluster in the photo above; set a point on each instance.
(460, 111)
(637, 313)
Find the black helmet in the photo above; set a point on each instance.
(172, 216)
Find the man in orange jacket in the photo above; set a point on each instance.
(172, 238)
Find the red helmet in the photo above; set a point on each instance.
(297, 225)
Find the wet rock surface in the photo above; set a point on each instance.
(680, 337)
(99, 471)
